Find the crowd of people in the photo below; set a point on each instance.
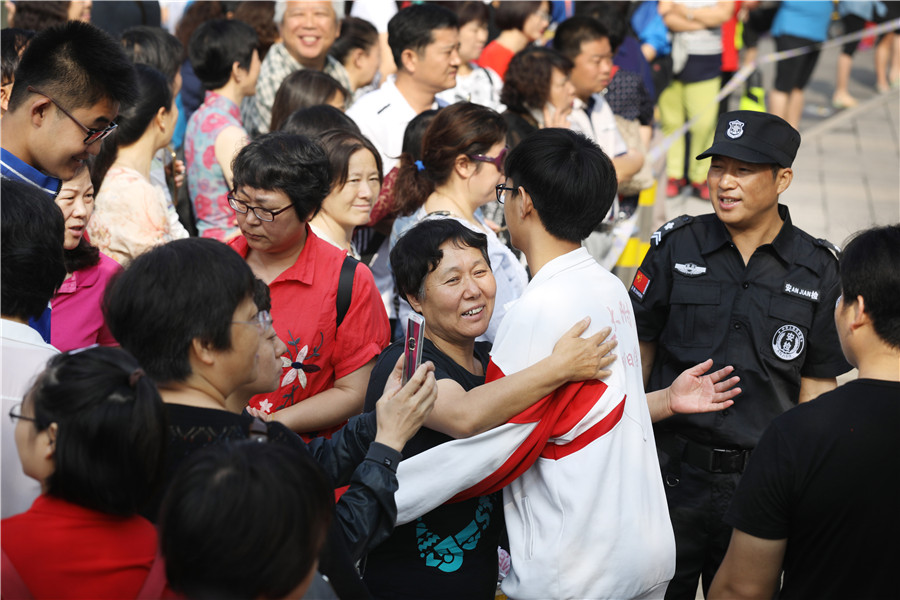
(213, 239)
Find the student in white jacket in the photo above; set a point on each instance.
(583, 497)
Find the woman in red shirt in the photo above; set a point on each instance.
(92, 431)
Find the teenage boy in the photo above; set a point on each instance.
(68, 89)
(819, 499)
(308, 30)
(745, 287)
(424, 41)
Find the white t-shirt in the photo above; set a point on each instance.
(24, 355)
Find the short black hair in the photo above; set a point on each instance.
(303, 88)
(412, 28)
(216, 541)
(512, 14)
(216, 45)
(31, 259)
(111, 437)
(154, 46)
(313, 121)
(262, 296)
(870, 267)
(575, 31)
(418, 251)
(572, 182)
(12, 43)
(76, 63)
(172, 294)
(293, 164)
(355, 33)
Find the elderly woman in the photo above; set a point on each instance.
(92, 432)
(280, 181)
(443, 268)
(537, 93)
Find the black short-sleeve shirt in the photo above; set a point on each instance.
(450, 552)
(824, 476)
(773, 319)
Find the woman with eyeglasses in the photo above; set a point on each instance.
(521, 23)
(92, 432)
(130, 213)
(355, 185)
(280, 183)
(462, 163)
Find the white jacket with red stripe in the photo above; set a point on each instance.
(583, 498)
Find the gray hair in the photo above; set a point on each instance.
(281, 7)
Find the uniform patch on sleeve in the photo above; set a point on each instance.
(657, 237)
(640, 284)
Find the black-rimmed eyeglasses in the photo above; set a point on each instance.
(501, 192)
(263, 214)
(16, 413)
(262, 321)
(497, 161)
(93, 135)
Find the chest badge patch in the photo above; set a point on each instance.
(735, 129)
(793, 290)
(788, 342)
(690, 269)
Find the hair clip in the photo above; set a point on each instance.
(420, 165)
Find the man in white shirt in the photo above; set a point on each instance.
(31, 258)
(424, 41)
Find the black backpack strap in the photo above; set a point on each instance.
(345, 287)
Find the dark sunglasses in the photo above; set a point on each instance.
(496, 161)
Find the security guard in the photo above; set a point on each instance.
(747, 288)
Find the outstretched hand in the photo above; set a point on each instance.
(580, 359)
(401, 411)
(694, 392)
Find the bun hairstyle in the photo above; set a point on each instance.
(462, 128)
(111, 429)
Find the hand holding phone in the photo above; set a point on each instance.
(412, 348)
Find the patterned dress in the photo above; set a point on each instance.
(206, 181)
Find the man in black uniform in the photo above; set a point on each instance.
(747, 288)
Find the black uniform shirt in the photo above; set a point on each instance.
(773, 319)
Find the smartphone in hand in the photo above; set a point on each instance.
(412, 348)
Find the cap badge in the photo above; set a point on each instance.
(735, 129)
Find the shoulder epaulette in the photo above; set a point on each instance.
(823, 243)
(669, 227)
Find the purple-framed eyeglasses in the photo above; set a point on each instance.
(497, 161)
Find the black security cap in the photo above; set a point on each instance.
(754, 137)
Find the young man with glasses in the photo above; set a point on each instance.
(69, 86)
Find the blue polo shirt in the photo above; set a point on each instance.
(13, 167)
